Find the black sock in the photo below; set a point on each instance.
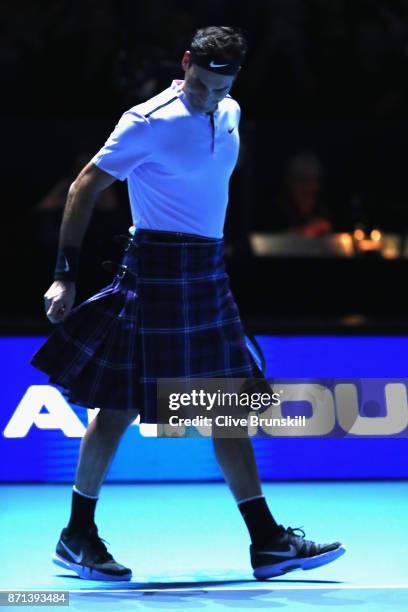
(260, 522)
(82, 512)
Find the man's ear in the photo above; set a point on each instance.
(185, 62)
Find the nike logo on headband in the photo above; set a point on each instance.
(214, 65)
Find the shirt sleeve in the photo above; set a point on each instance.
(127, 147)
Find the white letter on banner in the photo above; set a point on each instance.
(321, 422)
(351, 421)
(28, 413)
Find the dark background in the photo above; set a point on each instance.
(324, 76)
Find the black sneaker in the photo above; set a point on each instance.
(289, 551)
(86, 554)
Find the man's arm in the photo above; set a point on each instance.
(80, 203)
(82, 194)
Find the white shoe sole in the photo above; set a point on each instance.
(88, 573)
(306, 563)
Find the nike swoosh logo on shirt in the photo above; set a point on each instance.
(76, 558)
(214, 65)
(292, 552)
(231, 130)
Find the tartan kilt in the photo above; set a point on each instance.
(169, 313)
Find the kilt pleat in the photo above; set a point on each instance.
(89, 355)
(169, 313)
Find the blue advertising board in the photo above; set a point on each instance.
(41, 432)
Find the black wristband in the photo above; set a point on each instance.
(67, 264)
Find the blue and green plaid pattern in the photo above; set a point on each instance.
(170, 313)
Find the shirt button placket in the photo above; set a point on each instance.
(213, 131)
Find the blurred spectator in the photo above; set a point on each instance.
(109, 218)
(48, 212)
(299, 207)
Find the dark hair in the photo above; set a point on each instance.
(223, 43)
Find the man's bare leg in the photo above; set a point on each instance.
(98, 447)
(236, 459)
(80, 548)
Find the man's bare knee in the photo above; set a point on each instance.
(115, 419)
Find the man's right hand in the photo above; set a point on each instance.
(59, 299)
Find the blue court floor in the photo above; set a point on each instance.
(188, 547)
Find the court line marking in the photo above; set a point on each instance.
(260, 586)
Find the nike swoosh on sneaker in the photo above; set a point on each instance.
(214, 65)
(292, 552)
(76, 558)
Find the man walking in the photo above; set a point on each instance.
(169, 312)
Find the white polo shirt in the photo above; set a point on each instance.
(177, 162)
